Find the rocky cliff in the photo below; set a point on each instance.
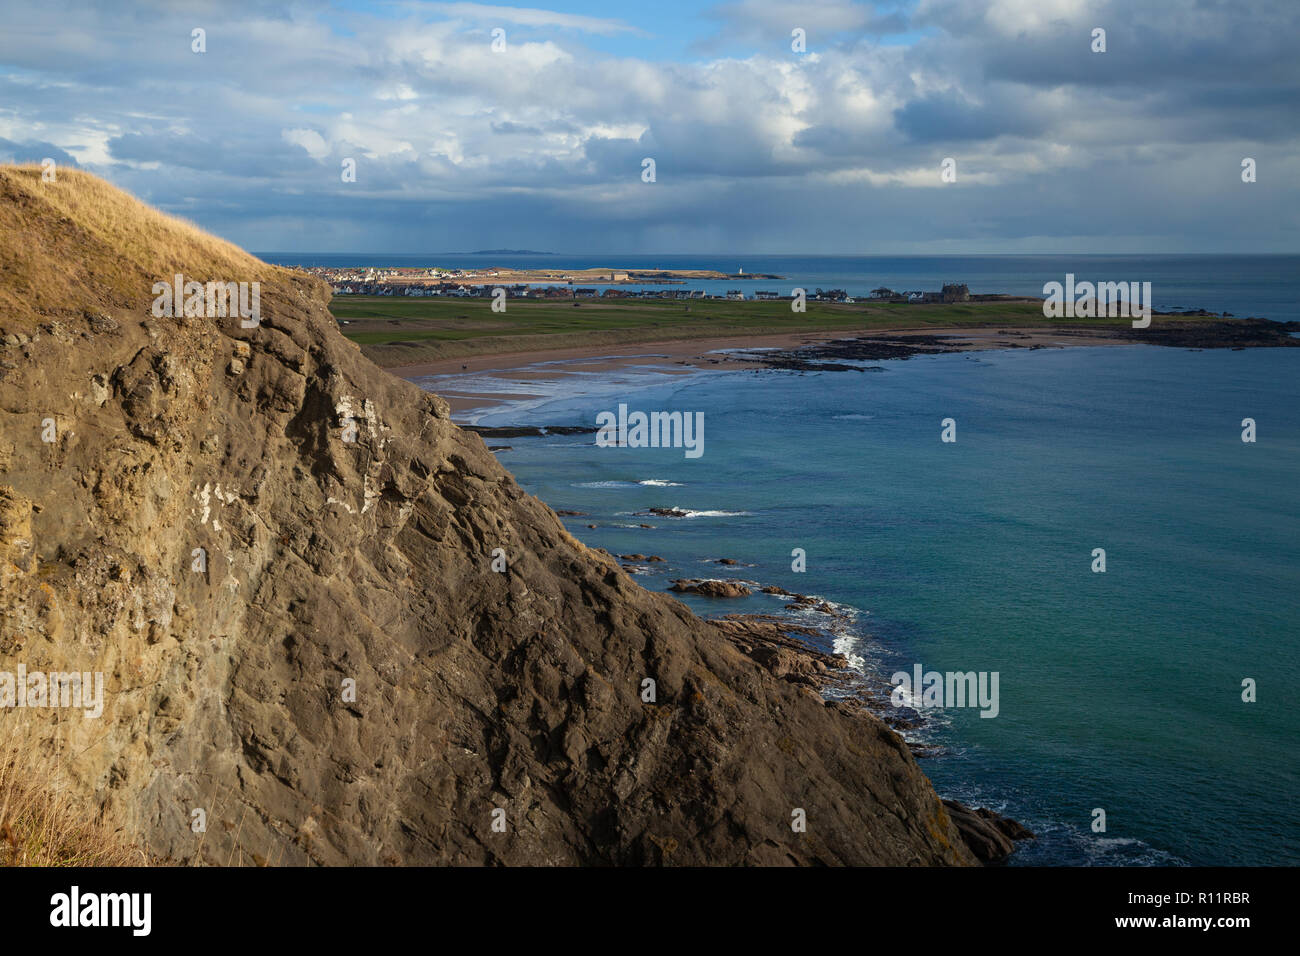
(281, 559)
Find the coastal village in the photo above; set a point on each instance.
(558, 285)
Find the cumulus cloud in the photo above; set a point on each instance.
(34, 152)
(309, 140)
(757, 147)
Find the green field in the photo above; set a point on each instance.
(399, 331)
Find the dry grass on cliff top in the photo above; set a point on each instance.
(41, 822)
(78, 244)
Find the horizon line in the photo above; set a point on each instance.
(801, 255)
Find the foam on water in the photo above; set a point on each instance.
(1118, 690)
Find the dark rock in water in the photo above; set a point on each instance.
(816, 357)
(727, 561)
(990, 836)
(572, 514)
(1166, 330)
(801, 365)
(775, 644)
(900, 722)
(1228, 333)
(717, 589)
(910, 715)
(640, 557)
(663, 513)
(528, 431)
(499, 448)
(772, 643)
(821, 606)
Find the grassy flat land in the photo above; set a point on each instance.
(402, 331)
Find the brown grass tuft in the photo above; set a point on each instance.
(41, 822)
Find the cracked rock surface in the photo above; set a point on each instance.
(280, 557)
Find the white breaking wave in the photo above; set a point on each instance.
(846, 645)
(648, 482)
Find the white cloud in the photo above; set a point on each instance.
(308, 139)
(484, 13)
(1014, 17)
(438, 116)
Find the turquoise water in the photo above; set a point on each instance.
(1119, 691)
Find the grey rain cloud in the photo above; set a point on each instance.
(758, 149)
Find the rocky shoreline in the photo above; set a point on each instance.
(328, 617)
(771, 642)
(783, 647)
(828, 356)
(528, 431)
(848, 352)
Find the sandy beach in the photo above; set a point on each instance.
(684, 356)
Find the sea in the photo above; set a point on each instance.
(1148, 713)
(1263, 286)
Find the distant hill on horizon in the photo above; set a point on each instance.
(507, 252)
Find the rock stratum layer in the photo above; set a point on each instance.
(331, 561)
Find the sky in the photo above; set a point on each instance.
(484, 126)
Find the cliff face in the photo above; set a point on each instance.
(228, 672)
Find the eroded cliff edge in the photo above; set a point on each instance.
(368, 561)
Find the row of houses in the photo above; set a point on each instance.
(951, 292)
(441, 289)
(518, 291)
